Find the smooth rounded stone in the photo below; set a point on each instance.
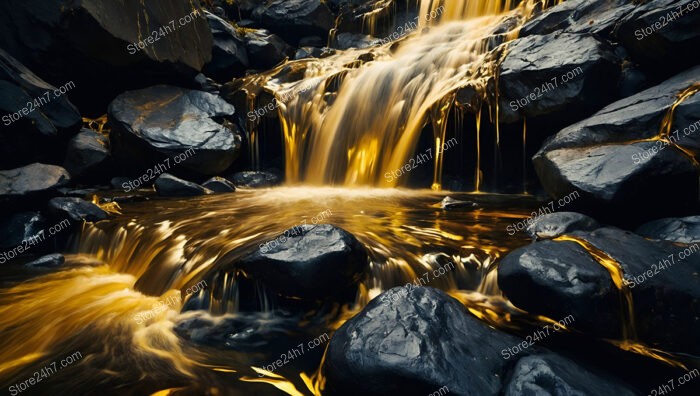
(76, 209)
(417, 340)
(32, 180)
(102, 43)
(49, 261)
(308, 262)
(294, 19)
(560, 278)
(119, 182)
(450, 203)
(88, 156)
(229, 56)
(19, 227)
(533, 71)
(680, 230)
(254, 179)
(219, 185)
(31, 133)
(168, 185)
(552, 225)
(173, 127)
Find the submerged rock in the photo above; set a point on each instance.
(559, 278)
(553, 225)
(683, 230)
(417, 340)
(254, 179)
(168, 185)
(450, 203)
(88, 157)
(49, 261)
(76, 209)
(178, 128)
(219, 185)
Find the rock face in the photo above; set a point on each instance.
(579, 16)
(88, 156)
(35, 120)
(683, 230)
(555, 278)
(103, 46)
(417, 340)
(76, 209)
(294, 19)
(605, 158)
(308, 262)
(547, 74)
(557, 224)
(175, 127)
(170, 186)
(31, 181)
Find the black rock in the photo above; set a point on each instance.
(19, 227)
(96, 44)
(579, 16)
(313, 52)
(417, 340)
(554, 278)
(174, 127)
(559, 72)
(294, 19)
(35, 180)
(219, 185)
(265, 49)
(683, 230)
(229, 56)
(49, 261)
(344, 41)
(170, 186)
(88, 157)
(76, 209)
(450, 203)
(37, 119)
(553, 225)
(308, 262)
(254, 179)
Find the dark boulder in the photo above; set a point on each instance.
(19, 227)
(450, 203)
(294, 19)
(308, 262)
(662, 35)
(579, 16)
(31, 181)
(683, 230)
(553, 225)
(265, 49)
(76, 209)
(417, 340)
(561, 277)
(557, 73)
(37, 118)
(170, 186)
(115, 46)
(254, 179)
(178, 128)
(219, 185)
(88, 157)
(49, 261)
(229, 56)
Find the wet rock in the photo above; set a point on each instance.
(31, 181)
(88, 157)
(19, 227)
(178, 128)
(346, 41)
(308, 262)
(559, 278)
(35, 121)
(294, 19)
(559, 72)
(49, 261)
(119, 182)
(219, 185)
(604, 158)
(579, 16)
(553, 225)
(229, 56)
(170, 186)
(265, 49)
(681, 230)
(103, 44)
(417, 340)
(662, 35)
(313, 52)
(254, 179)
(450, 203)
(76, 209)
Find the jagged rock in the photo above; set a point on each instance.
(229, 56)
(605, 158)
(264, 48)
(294, 19)
(170, 186)
(76, 209)
(254, 179)
(313, 52)
(559, 72)
(219, 185)
(88, 156)
(662, 35)
(553, 225)
(174, 127)
(19, 227)
(683, 230)
(35, 120)
(417, 340)
(49, 261)
(344, 41)
(308, 262)
(95, 44)
(34, 180)
(579, 16)
(554, 278)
